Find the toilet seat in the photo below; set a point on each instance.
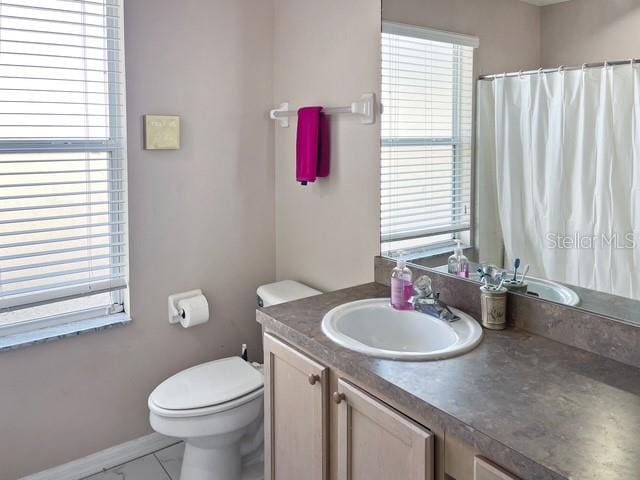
(198, 412)
(207, 388)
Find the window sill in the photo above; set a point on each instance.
(427, 251)
(47, 334)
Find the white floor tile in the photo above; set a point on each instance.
(145, 468)
(171, 459)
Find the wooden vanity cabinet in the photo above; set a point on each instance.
(375, 442)
(369, 440)
(321, 426)
(295, 421)
(463, 462)
(485, 470)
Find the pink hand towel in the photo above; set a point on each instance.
(312, 145)
(324, 146)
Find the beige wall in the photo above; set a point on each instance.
(200, 217)
(583, 31)
(328, 53)
(509, 30)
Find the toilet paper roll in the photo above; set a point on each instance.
(193, 311)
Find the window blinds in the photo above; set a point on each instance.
(427, 82)
(62, 152)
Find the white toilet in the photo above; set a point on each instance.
(217, 408)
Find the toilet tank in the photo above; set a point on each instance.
(284, 291)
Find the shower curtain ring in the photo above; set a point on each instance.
(540, 71)
(584, 67)
(561, 69)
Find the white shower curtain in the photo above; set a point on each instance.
(562, 151)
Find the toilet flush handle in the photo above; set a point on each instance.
(313, 378)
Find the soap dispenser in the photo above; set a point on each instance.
(458, 264)
(401, 286)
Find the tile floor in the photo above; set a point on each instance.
(161, 465)
(165, 465)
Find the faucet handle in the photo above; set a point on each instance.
(422, 286)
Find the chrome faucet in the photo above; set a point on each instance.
(490, 274)
(427, 301)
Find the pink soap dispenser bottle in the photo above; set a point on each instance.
(401, 286)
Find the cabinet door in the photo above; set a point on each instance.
(484, 470)
(377, 443)
(295, 414)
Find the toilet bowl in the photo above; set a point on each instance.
(217, 409)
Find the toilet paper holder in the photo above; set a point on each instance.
(175, 314)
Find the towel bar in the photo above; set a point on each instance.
(363, 108)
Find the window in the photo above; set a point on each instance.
(427, 94)
(63, 240)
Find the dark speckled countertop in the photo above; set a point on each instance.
(542, 409)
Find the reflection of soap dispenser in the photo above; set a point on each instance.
(401, 286)
(458, 264)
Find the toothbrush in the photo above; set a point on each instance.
(481, 272)
(526, 270)
(516, 265)
(483, 276)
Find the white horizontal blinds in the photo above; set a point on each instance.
(426, 132)
(62, 179)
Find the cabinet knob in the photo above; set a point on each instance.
(338, 397)
(313, 378)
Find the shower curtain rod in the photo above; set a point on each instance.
(561, 68)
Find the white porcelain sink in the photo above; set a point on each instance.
(375, 328)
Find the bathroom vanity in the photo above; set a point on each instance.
(519, 406)
(315, 414)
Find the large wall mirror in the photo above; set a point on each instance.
(512, 129)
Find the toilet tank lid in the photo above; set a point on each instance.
(207, 384)
(284, 291)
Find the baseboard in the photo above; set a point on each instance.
(105, 459)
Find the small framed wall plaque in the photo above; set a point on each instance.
(161, 132)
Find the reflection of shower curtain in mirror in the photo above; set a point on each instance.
(562, 150)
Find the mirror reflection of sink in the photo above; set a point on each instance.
(539, 287)
(553, 291)
(376, 329)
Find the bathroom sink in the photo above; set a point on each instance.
(375, 328)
